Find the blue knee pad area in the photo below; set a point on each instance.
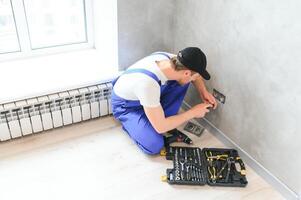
(143, 133)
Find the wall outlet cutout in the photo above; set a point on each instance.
(194, 129)
(219, 96)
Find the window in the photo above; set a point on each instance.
(8, 33)
(30, 27)
(52, 25)
(47, 74)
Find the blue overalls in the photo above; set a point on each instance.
(135, 122)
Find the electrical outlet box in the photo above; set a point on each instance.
(219, 96)
(194, 129)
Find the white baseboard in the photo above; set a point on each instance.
(248, 159)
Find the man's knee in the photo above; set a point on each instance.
(146, 137)
(152, 147)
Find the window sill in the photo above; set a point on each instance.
(43, 75)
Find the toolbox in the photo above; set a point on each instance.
(212, 166)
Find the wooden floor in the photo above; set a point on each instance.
(96, 160)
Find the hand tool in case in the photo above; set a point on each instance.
(212, 166)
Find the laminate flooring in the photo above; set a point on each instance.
(97, 160)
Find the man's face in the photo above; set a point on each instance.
(188, 76)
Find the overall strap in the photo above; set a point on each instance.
(161, 53)
(144, 71)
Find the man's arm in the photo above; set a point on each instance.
(203, 92)
(163, 124)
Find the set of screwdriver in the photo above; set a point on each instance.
(187, 165)
(212, 166)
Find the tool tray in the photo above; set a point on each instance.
(212, 166)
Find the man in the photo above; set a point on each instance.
(146, 98)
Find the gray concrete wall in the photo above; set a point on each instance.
(253, 50)
(143, 27)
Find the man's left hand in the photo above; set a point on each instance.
(207, 97)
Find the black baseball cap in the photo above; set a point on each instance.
(194, 59)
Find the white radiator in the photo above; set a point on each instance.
(29, 116)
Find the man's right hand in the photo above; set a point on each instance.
(162, 124)
(200, 110)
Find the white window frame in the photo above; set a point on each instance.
(39, 75)
(24, 38)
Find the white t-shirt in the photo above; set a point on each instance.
(139, 86)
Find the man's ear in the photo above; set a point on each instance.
(187, 72)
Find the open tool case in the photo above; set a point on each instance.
(212, 166)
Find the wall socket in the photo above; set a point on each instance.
(194, 129)
(219, 96)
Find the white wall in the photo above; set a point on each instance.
(143, 27)
(253, 49)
